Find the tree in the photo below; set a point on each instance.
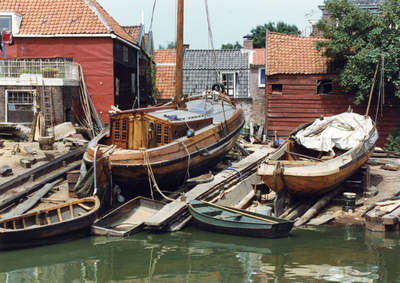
(281, 27)
(363, 38)
(232, 46)
(171, 45)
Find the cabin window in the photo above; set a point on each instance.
(261, 75)
(324, 87)
(166, 135)
(276, 88)
(159, 133)
(228, 80)
(162, 134)
(123, 131)
(116, 130)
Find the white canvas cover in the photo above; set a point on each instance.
(343, 131)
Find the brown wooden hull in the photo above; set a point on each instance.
(45, 227)
(302, 185)
(314, 177)
(171, 162)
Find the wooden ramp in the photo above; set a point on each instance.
(176, 214)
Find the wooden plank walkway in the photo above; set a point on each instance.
(175, 214)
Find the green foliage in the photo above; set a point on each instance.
(281, 27)
(232, 46)
(363, 37)
(393, 140)
(171, 45)
(153, 71)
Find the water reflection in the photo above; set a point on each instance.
(329, 254)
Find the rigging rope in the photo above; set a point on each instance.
(152, 15)
(211, 42)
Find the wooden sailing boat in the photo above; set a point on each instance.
(60, 223)
(167, 143)
(320, 155)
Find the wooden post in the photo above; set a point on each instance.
(372, 88)
(318, 206)
(179, 56)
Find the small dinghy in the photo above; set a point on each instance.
(60, 223)
(226, 220)
(128, 218)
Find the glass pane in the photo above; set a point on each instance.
(5, 23)
(262, 77)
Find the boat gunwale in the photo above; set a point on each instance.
(291, 169)
(267, 218)
(89, 154)
(92, 210)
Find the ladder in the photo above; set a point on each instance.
(48, 109)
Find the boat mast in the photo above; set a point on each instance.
(179, 57)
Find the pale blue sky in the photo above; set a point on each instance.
(230, 19)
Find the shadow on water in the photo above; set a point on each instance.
(323, 254)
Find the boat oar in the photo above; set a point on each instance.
(240, 212)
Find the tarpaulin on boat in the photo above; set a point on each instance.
(343, 131)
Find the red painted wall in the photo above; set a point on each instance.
(94, 54)
(299, 104)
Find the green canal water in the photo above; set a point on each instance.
(323, 254)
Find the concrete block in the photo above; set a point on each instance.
(32, 160)
(389, 219)
(5, 170)
(25, 163)
(42, 158)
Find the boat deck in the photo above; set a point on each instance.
(196, 111)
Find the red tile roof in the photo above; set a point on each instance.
(55, 17)
(259, 56)
(132, 31)
(292, 54)
(165, 77)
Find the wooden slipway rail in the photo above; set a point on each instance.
(51, 166)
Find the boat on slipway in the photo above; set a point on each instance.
(170, 142)
(318, 156)
(222, 219)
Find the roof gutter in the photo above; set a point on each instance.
(125, 41)
(63, 35)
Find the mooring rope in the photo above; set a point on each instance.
(187, 171)
(151, 174)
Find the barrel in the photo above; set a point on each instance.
(265, 210)
(349, 202)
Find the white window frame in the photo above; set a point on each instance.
(33, 103)
(234, 82)
(259, 77)
(16, 19)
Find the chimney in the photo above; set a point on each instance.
(186, 46)
(248, 42)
